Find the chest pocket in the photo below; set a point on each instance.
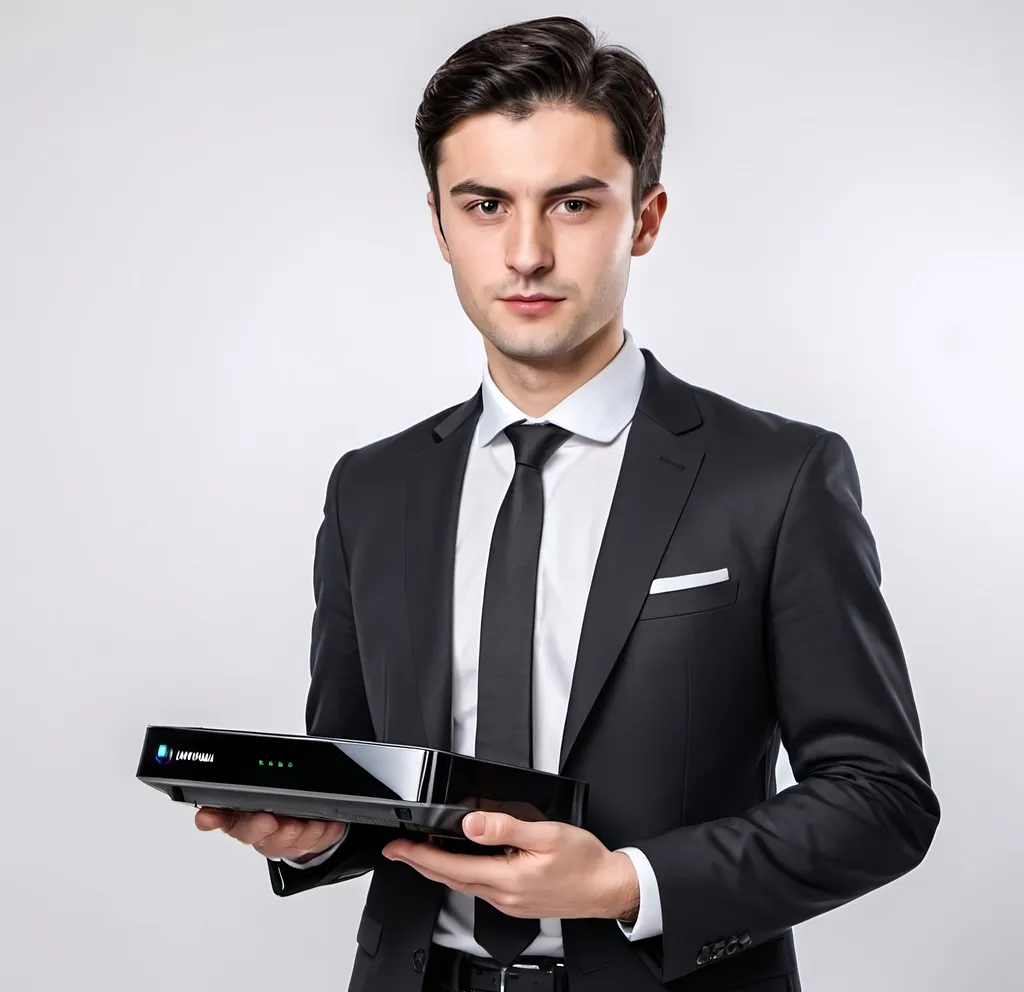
(695, 600)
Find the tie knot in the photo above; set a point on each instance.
(534, 444)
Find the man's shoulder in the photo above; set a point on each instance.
(733, 423)
(386, 455)
(407, 441)
(724, 422)
(761, 453)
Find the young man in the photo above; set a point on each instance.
(693, 580)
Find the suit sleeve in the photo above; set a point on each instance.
(862, 812)
(336, 703)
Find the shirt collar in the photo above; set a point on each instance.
(598, 410)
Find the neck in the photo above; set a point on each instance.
(537, 386)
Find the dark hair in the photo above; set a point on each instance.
(548, 61)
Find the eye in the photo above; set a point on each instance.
(480, 203)
(584, 205)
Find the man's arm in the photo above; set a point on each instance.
(862, 812)
(336, 703)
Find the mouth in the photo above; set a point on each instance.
(536, 298)
(531, 305)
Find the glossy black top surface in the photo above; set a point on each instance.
(374, 771)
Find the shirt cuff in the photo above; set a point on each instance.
(648, 922)
(320, 858)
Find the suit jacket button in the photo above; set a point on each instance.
(419, 959)
(705, 955)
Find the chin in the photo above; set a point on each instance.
(537, 341)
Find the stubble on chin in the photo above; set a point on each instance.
(534, 343)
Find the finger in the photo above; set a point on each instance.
(285, 837)
(294, 838)
(502, 830)
(456, 884)
(210, 818)
(460, 869)
(251, 828)
(500, 899)
(312, 836)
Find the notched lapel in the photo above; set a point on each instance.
(659, 467)
(433, 490)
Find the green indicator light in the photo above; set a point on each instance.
(261, 761)
(289, 764)
(280, 764)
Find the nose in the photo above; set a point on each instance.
(529, 246)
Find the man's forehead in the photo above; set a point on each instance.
(542, 148)
(543, 118)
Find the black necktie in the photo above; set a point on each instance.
(504, 726)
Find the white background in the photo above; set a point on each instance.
(217, 274)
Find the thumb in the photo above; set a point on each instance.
(498, 829)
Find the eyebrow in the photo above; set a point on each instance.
(494, 192)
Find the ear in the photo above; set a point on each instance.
(648, 224)
(438, 233)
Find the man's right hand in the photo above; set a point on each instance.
(270, 835)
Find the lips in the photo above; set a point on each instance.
(532, 308)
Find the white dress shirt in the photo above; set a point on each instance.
(578, 482)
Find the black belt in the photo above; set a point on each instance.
(469, 973)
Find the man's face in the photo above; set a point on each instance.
(514, 236)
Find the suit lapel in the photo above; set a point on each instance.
(433, 492)
(660, 464)
(659, 467)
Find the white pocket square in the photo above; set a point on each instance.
(673, 582)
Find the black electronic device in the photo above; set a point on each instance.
(416, 789)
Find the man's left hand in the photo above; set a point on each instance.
(557, 871)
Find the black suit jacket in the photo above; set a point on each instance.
(678, 699)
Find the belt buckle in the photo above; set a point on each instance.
(526, 965)
(516, 964)
(505, 970)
